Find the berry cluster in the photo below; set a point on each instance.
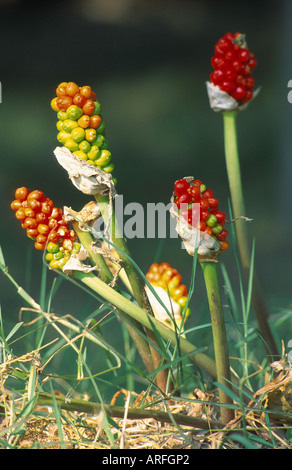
(45, 224)
(232, 65)
(163, 275)
(188, 195)
(80, 125)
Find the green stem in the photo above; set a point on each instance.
(134, 328)
(238, 206)
(45, 399)
(219, 336)
(150, 323)
(136, 282)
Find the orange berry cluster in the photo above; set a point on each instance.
(80, 125)
(44, 223)
(163, 275)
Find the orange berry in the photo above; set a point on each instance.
(95, 121)
(84, 121)
(79, 100)
(72, 88)
(21, 193)
(88, 107)
(86, 92)
(224, 245)
(93, 96)
(63, 102)
(15, 205)
(39, 246)
(61, 90)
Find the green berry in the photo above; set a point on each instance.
(217, 229)
(63, 136)
(104, 158)
(74, 112)
(84, 146)
(211, 221)
(78, 134)
(69, 125)
(52, 247)
(62, 115)
(71, 145)
(80, 154)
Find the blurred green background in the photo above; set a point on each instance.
(148, 61)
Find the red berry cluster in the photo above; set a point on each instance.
(232, 65)
(42, 221)
(211, 221)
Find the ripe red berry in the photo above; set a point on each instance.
(195, 193)
(239, 93)
(180, 187)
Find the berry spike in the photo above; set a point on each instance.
(45, 225)
(198, 206)
(80, 124)
(233, 64)
(167, 283)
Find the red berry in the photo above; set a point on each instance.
(208, 230)
(220, 216)
(180, 187)
(208, 193)
(185, 198)
(204, 215)
(229, 74)
(243, 55)
(217, 76)
(249, 82)
(212, 202)
(230, 56)
(195, 193)
(204, 204)
(224, 44)
(239, 93)
(222, 235)
(227, 86)
(236, 65)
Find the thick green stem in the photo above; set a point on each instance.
(44, 399)
(135, 280)
(238, 206)
(219, 337)
(150, 323)
(134, 328)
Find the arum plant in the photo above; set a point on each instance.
(230, 90)
(86, 157)
(200, 225)
(70, 262)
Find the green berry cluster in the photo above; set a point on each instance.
(57, 256)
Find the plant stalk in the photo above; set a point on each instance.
(136, 282)
(45, 399)
(238, 206)
(106, 276)
(219, 336)
(124, 305)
